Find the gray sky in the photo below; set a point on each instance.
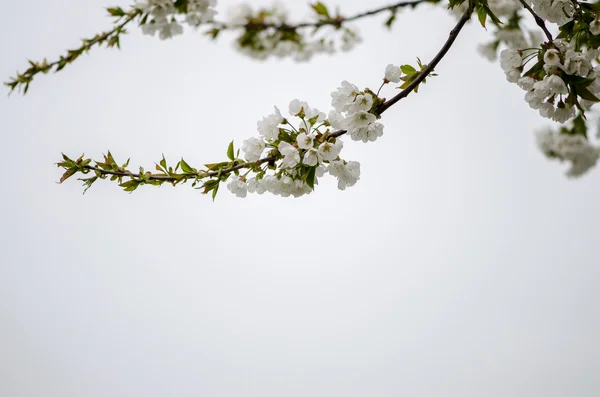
(463, 263)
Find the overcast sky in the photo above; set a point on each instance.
(463, 263)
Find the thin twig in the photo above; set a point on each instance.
(540, 22)
(167, 178)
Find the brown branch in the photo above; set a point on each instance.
(540, 22)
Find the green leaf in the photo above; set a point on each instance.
(163, 162)
(116, 11)
(321, 9)
(388, 23)
(491, 14)
(482, 15)
(214, 193)
(407, 69)
(310, 177)
(185, 167)
(131, 185)
(230, 152)
(69, 173)
(586, 94)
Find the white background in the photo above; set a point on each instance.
(463, 263)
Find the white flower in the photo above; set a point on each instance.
(541, 88)
(547, 110)
(312, 113)
(271, 184)
(595, 27)
(361, 103)
(312, 157)
(296, 107)
(577, 64)
(556, 85)
(359, 120)
(375, 130)
(526, 83)
(319, 172)
(256, 186)
(575, 149)
(552, 57)
(253, 148)
(290, 154)
(347, 173)
(393, 73)
(562, 114)
(330, 151)
(268, 127)
(512, 75)
(336, 120)
(305, 141)
(343, 96)
(510, 59)
(237, 186)
(534, 101)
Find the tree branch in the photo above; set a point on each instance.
(540, 22)
(112, 35)
(386, 105)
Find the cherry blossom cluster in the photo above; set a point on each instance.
(268, 32)
(561, 80)
(308, 145)
(565, 145)
(305, 149)
(163, 16)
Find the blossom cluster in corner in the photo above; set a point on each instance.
(166, 17)
(267, 31)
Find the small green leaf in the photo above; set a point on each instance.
(310, 177)
(230, 152)
(185, 167)
(116, 11)
(482, 15)
(586, 94)
(214, 193)
(321, 9)
(407, 69)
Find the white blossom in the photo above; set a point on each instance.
(312, 157)
(296, 107)
(552, 57)
(510, 59)
(343, 96)
(305, 141)
(253, 148)
(361, 103)
(595, 27)
(393, 73)
(237, 186)
(330, 151)
(347, 173)
(268, 127)
(256, 186)
(291, 156)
